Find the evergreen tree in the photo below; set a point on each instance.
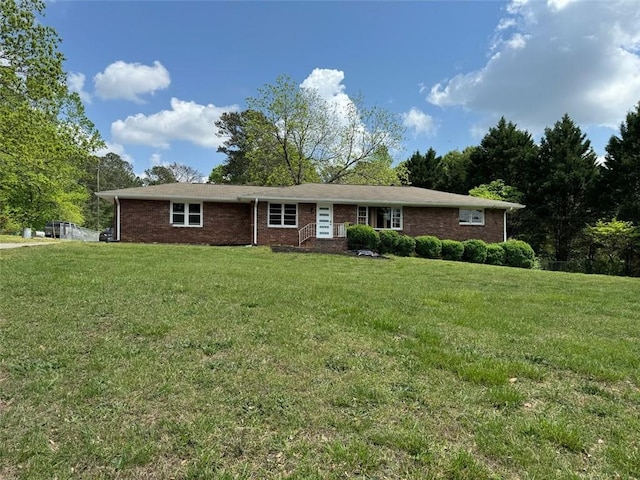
(562, 196)
(621, 175)
(505, 153)
(422, 170)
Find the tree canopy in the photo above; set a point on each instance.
(44, 134)
(291, 135)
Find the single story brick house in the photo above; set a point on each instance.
(309, 215)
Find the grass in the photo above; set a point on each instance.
(150, 361)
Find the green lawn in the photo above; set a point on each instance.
(150, 361)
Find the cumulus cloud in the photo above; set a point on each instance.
(555, 57)
(128, 80)
(75, 82)
(186, 121)
(114, 148)
(419, 122)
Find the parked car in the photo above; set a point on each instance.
(106, 235)
(56, 228)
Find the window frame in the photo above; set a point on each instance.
(282, 215)
(187, 213)
(370, 217)
(469, 220)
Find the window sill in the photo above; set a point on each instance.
(282, 226)
(185, 226)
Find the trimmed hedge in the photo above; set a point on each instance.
(428, 246)
(362, 237)
(388, 241)
(452, 250)
(518, 254)
(405, 246)
(475, 251)
(495, 254)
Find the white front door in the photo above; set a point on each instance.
(324, 221)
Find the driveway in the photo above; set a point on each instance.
(16, 245)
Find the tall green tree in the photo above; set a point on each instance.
(562, 196)
(504, 153)
(423, 170)
(109, 172)
(454, 171)
(44, 134)
(300, 137)
(621, 175)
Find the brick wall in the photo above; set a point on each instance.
(444, 224)
(147, 221)
(232, 224)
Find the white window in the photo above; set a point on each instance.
(381, 217)
(283, 215)
(186, 214)
(363, 216)
(471, 217)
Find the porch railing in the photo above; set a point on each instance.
(309, 231)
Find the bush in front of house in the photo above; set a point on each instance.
(388, 241)
(518, 254)
(362, 237)
(428, 246)
(405, 246)
(495, 254)
(475, 251)
(452, 250)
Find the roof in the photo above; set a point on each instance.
(308, 192)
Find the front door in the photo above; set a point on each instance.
(324, 221)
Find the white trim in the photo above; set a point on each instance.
(281, 224)
(186, 214)
(117, 217)
(319, 224)
(472, 223)
(255, 222)
(504, 226)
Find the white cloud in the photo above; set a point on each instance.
(187, 121)
(328, 83)
(155, 159)
(128, 80)
(114, 148)
(75, 81)
(419, 122)
(560, 56)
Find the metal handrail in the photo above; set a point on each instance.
(306, 232)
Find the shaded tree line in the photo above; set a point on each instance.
(579, 213)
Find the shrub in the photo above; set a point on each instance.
(362, 237)
(495, 254)
(428, 246)
(405, 246)
(388, 241)
(475, 251)
(452, 250)
(518, 254)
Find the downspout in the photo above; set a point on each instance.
(255, 222)
(117, 218)
(504, 227)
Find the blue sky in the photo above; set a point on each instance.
(154, 76)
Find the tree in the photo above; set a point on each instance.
(172, 173)
(454, 171)
(423, 169)
(621, 175)
(378, 170)
(109, 172)
(301, 137)
(504, 153)
(44, 134)
(158, 175)
(497, 190)
(614, 242)
(563, 194)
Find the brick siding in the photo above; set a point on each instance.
(232, 224)
(147, 221)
